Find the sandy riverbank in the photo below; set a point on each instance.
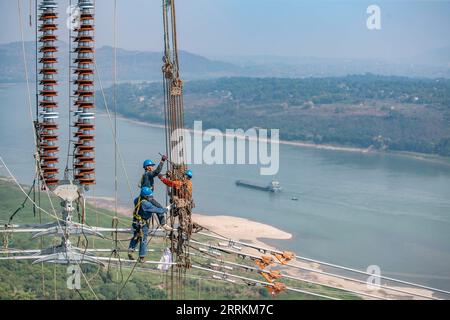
(241, 229)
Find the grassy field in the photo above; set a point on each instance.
(22, 280)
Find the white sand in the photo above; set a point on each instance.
(241, 229)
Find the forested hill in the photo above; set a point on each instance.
(382, 112)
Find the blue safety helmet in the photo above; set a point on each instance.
(148, 163)
(189, 173)
(146, 192)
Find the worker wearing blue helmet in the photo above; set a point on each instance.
(183, 186)
(143, 212)
(148, 178)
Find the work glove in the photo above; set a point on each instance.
(163, 158)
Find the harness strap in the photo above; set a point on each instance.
(139, 234)
(136, 210)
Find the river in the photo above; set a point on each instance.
(353, 209)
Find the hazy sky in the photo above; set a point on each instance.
(321, 28)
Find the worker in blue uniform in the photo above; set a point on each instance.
(143, 212)
(148, 178)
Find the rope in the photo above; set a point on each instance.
(24, 192)
(43, 279)
(96, 214)
(66, 171)
(134, 267)
(115, 139)
(79, 293)
(174, 38)
(54, 282)
(25, 63)
(97, 71)
(30, 6)
(22, 206)
(6, 240)
(174, 120)
(117, 256)
(115, 102)
(123, 221)
(128, 278)
(37, 164)
(30, 108)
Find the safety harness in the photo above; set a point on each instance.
(139, 221)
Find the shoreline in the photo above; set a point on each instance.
(304, 144)
(241, 229)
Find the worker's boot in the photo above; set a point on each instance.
(167, 228)
(130, 255)
(141, 259)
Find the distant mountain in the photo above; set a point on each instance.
(132, 65)
(144, 65)
(11, 61)
(139, 65)
(300, 67)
